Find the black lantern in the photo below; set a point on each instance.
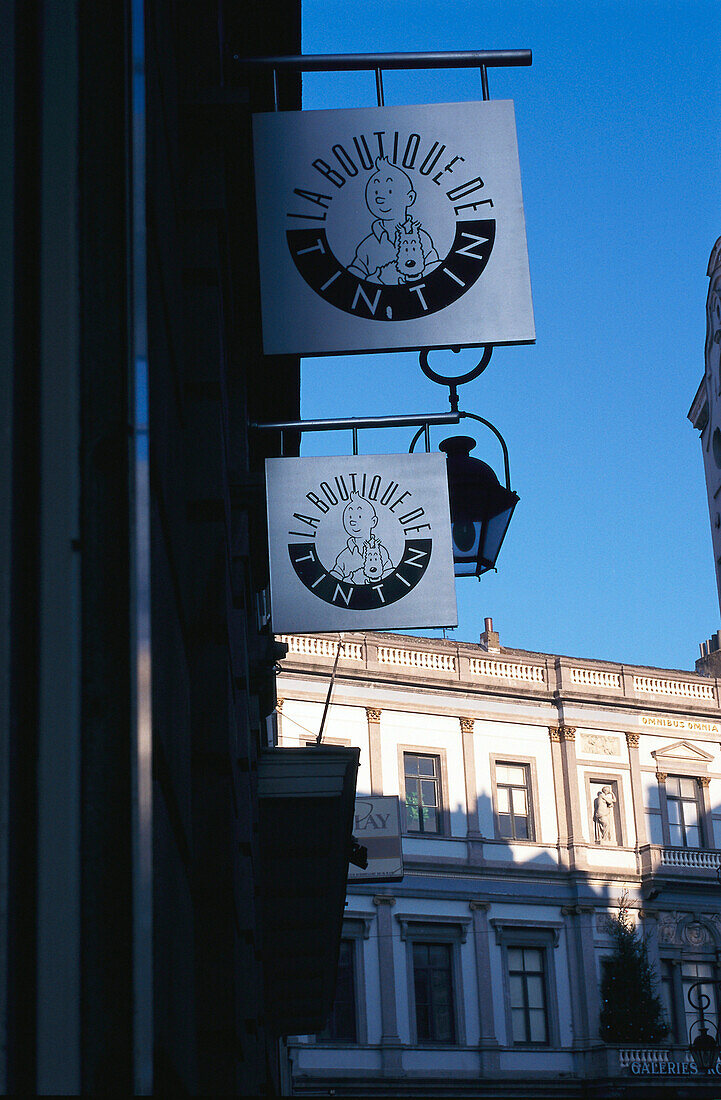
(481, 508)
(704, 1050)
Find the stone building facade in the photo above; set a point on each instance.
(535, 791)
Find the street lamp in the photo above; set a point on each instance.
(704, 1047)
(481, 508)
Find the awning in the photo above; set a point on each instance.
(306, 798)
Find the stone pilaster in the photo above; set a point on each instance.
(706, 818)
(559, 786)
(662, 777)
(374, 749)
(639, 813)
(567, 736)
(488, 1041)
(475, 846)
(390, 1040)
(583, 981)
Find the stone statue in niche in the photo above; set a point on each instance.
(603, 805)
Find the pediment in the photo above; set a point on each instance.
(682, 750)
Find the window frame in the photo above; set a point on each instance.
(436, 930)
(614, 780)
(356, 929)
(544, 937)
(529, 763)
(700, 814)
(444, 815)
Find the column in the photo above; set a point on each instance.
(573, 804)
(374, 748)
(488, 1041)
(707, 826)
(662, 777)
(474, 844)
(390, 1040)
(639, 814)
(559, 785)
(580, 989)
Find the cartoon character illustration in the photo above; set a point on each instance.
(364, 555)
(374, 568)
(389, 195)
(410, 262)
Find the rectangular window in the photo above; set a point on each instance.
(684, 824)
(513, 803)
(667, 997)
(433, 989)
(422, 776)
(527, 985)
(695, 972)
(342, 1020)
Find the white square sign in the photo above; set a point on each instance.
(359, 542)
(377, 826)
(390, 228)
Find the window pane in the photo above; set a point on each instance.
(442, 1024)
(410, 764)
(690, 813)
(430, 820)
(504, 805)
(502, 771)
(533, 959)
(521, 824)
(515, 775)
(515, 958)
(688, 788)
(534, 985)
(672, 785)
(676, 835)
(537, 1020)
(516, 990)
(426, 765)
(428, 792)
(674, 811)
(520, 805)
(693, 837)
(518, 1020)
(504, 825)
(342, 1020)
(438, 954)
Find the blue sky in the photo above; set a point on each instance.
(609, 552)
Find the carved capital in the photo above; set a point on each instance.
(662, 776)
(373, 714)
(704, 781)
(383, 899)
(279, 704)
(466, 725)
(482, 906)
(632, 740)
(554, 732)
(568, 733)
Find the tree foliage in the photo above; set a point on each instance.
(631, 1011)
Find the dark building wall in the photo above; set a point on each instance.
(212, 655)
(73, 997)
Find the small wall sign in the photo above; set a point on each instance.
(391, 227)
(377, 825)
(359, 543)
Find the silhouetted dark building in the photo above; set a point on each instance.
(163, 870)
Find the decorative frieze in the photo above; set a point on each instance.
(600, 744)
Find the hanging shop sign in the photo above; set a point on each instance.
(377, 826)
(359, 543)
(391, 228)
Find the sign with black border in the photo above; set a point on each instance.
(391, 228)
(359, 542)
